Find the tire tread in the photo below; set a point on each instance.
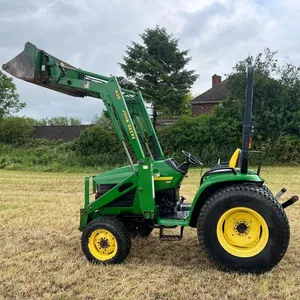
(124, 242)
(268, 198)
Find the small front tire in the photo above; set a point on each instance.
(106, 240)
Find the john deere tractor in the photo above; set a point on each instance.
(241, 226)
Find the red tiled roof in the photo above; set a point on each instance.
(213, 95)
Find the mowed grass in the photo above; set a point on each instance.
(41, 257)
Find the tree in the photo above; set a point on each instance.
(9, 99)
(103, 120)
(187, 110)
(157, 68)
(61, 121)
(35, 122)
(14, 129)
(276, 116)
(276, 108)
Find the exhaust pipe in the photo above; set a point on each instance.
(247, 127)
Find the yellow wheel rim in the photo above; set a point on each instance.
(102, 244)
(242, 232)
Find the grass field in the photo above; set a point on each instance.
(41, 258)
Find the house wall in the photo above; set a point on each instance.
(58, 132)
(68, 133)
(200, 109)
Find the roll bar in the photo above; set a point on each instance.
(247, 127)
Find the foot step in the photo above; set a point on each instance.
(170, 237)
(179, 215)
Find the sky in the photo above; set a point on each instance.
(93, 35)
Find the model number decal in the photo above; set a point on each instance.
(118, 96)
(128, 124)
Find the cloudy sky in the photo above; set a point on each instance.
(93, 34)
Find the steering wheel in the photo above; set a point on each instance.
(192, 159)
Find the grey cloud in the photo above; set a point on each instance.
(10, 8)
(67, 9)
(197, 23)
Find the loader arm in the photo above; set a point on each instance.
(126, 108)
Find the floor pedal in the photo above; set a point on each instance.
(184, 207)
(170, 237)
(179, 215)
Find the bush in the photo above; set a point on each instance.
(285, 149)
(14, 129)
(199, 136)
(202, 136)
(38, 154)
(99, 146)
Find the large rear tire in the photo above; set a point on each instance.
(243, 228)
(106, 240)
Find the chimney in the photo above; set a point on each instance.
(216, 79)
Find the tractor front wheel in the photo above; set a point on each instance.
(106, 240)
(243, 228)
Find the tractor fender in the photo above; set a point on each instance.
(212, 184)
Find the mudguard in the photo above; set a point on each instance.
(213, 181)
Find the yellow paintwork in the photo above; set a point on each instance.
(106, 252)
(249, 243)
(163, 178)
(234, 158)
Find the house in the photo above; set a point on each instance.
(205, 102)
(57, 132)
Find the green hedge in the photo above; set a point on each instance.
(196, 135)
(14, 129)
(203, 137)
(285, 149)
(98, 148)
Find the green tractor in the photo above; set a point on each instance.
(241, 226)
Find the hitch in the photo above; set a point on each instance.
(289, 202)
(280, 193)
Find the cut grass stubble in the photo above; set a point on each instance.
(41, 256)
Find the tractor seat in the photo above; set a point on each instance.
(226, 166)
(233, 162)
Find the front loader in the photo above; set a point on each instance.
(241, 226)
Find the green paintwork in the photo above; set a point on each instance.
(226, 177)
(141, 179)
(208, 181)
(133, 126)
(145, 190)
(160, 169)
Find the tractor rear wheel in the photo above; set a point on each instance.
(243, 228)
(106, 240)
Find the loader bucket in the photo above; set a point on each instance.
(32, 65)
(23, 65)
